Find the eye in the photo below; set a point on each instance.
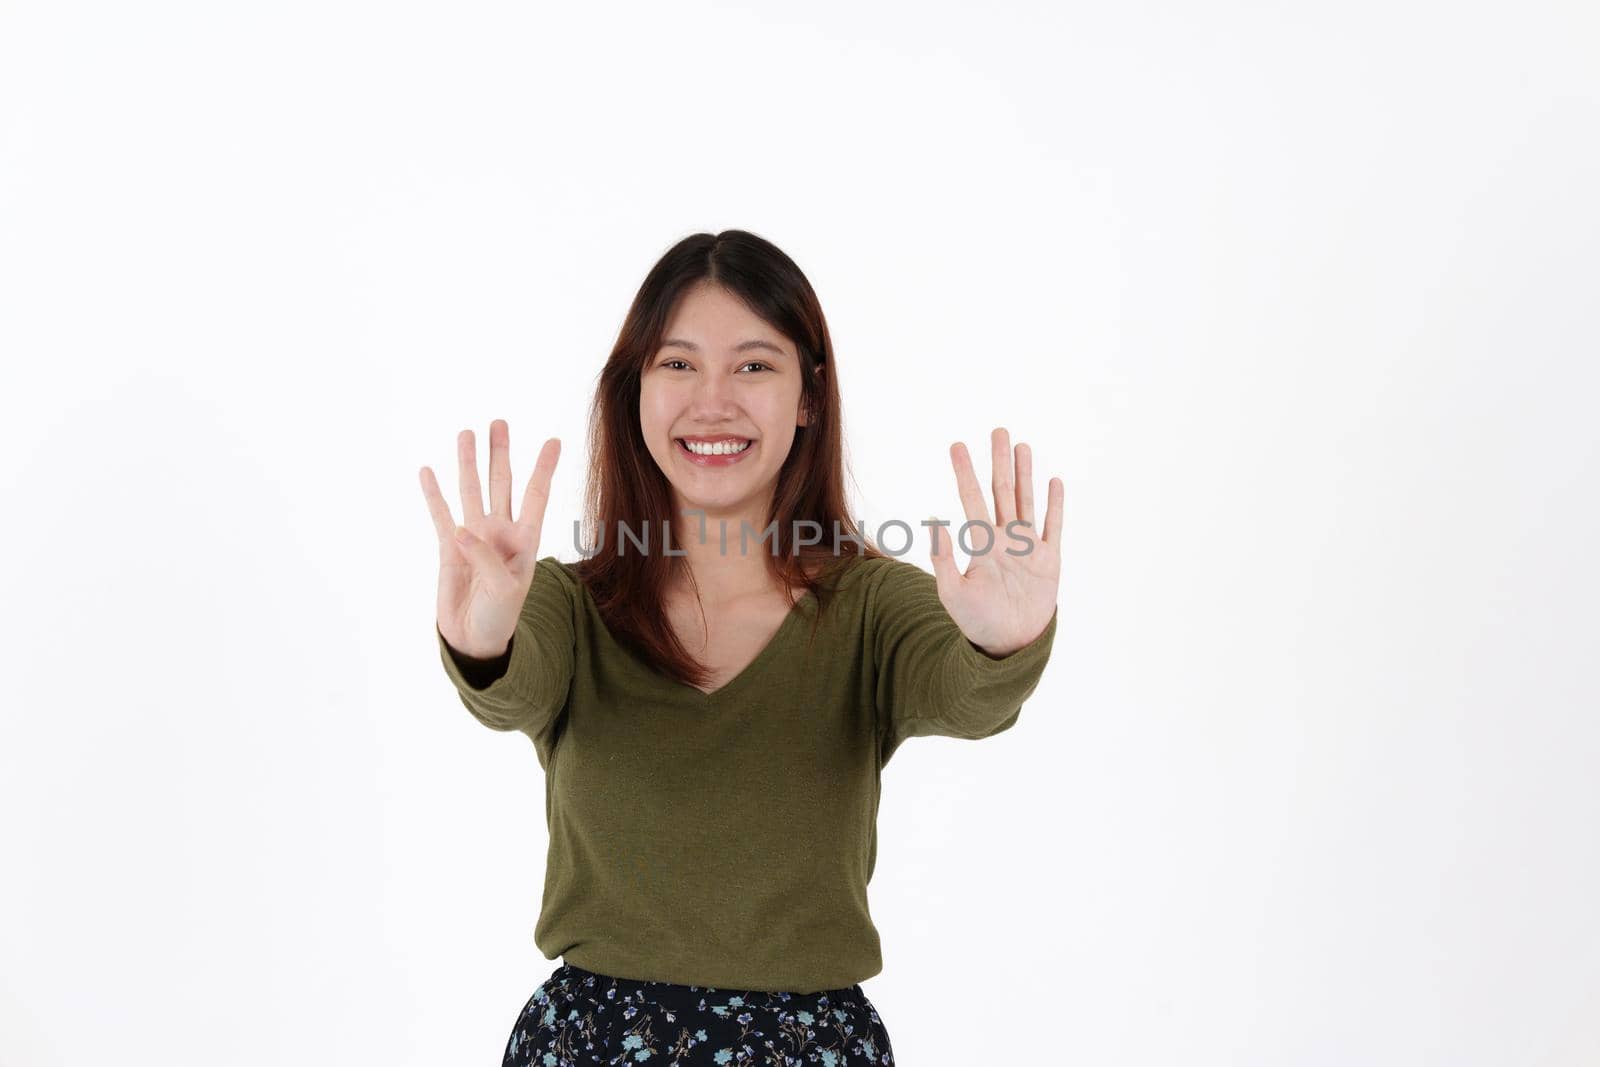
(752, 363)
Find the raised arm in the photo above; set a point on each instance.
(957, 654)
(526, 688)
(932, 680)
(505, 617)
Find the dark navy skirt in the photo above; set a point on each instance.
(578, 1017)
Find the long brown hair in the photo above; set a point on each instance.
(626, 488)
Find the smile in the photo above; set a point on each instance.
(721, 454)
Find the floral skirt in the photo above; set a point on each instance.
(577, 1017)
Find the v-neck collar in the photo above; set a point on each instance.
(702, 698)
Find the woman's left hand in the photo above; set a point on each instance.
(1004, 601)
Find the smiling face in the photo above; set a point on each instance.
(721, 374)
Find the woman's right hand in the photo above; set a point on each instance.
(486, 566)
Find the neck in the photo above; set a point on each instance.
(723, 568)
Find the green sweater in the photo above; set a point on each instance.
(727, 840)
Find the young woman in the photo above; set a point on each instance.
(712, 711)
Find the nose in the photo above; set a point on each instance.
(713, 399)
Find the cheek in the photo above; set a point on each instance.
(652, 409)
(780, 415)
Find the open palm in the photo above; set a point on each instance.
(486, 565)
(1003, 601)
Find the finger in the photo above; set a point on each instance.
(1025, 484)
(471, 488)
(500, 469)
(443, 523)
(537, 496)
(1005, 479)
(971, 492)
(1052, 515)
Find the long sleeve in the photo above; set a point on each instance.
(479, 673)
(531, 691)
(930, 679)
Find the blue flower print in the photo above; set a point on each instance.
(579, 1018)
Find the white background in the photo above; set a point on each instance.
(1299, 301)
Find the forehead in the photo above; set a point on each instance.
(709, 318)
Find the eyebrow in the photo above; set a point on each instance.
(742, 346)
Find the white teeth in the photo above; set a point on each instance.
(721, 448)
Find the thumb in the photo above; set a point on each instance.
(944, 560)
(486, 562)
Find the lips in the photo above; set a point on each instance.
(717, 459)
